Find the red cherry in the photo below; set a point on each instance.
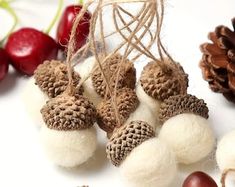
(3, 64)
(66, 23)
(199, 179)
(28, 47)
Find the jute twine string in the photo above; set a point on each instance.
(138, 40)
(224, 176)
(147, 27)
(145, 16)
(72, 47)
(144, 19)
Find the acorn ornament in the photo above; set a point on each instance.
(68, 135)
(218, 61)
(95, 86)
(160, 80)
(143, 160)
(128, 108)
(50, 80)
(185, 128)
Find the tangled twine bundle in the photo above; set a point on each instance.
(133, 30)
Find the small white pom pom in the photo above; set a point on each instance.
(69, 148)
(150, 164)
(84, 69)
(152, 103)
(189, 136)
(143, 113)
(34, 99)
(225, 153)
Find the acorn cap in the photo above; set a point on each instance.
(52, 78)
(161, 84)
(180, 104)
(126, 138)
(65, 113)
(126, 101)
(126, 77)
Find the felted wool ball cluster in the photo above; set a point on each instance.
(186, 129)
(157, 83)
(225, 153)
(143, 159)
(68, 136)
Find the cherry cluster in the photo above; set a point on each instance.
(28, 47)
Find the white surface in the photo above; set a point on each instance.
(23, 162)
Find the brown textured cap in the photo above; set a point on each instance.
(127, 102)
(69, 113)
(160, 84)
(52, 78)
(126, 78)
(126, 138)
(179, 104)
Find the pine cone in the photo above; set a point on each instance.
(160, 84)
(126, 78)
(52, 78)
(218, 61)
(125, 139)
(66, 113)
(127, 102)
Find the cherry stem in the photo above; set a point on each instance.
(5, 5)
(58, 12)
(81, 2)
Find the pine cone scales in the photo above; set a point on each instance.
(218, 61)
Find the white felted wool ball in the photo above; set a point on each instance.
(34, 99)
(150, 164)
(225, 153)
(152, 103)
(189, 136)
(143, 113)
(84, 69)
(69, 148)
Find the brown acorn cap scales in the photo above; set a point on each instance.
(127, 75)
(52, 78)
(66, 112)
(127, 102)
(160, 84)
(126, 138)
(180, 104)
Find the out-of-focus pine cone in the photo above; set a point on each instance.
(218, 61)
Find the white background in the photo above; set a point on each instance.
(22, 160)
